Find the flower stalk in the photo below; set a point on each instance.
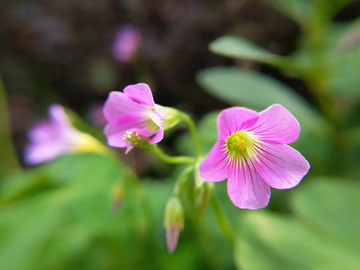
(172, 160)
(222, 220)
(187, 119)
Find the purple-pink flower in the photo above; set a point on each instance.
(127, 41)
(132, 114)
(55, 137)
(252, 153)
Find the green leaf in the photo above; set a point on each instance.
(298, 10)
(239, 86)
(332, 204)
(327, 212)
(40, 223)
(237, 47)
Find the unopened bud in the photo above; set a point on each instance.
(202, 198)
(173, 222)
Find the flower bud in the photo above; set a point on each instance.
(173, 222)
(202, 198)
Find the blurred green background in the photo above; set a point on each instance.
(198, 56)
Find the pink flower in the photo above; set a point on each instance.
(133, 116)
(252, 154)
(127, 41)
(55, 137)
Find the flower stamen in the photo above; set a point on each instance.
(239, 143)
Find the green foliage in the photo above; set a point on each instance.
(235, 86)
(237, 47)
(323, 234)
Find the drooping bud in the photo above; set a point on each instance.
(173, 222)
(203, 196)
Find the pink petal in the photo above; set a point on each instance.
(159, 135)
(115, 135)
(215, 166)
(57, 115)
(277, 124)
(172, 236)
(129, 119)
(158, 121)
(235, 119)
(41, 152)
(119, 104)
(280, 165)
(42, 131)
(141, 93)
(245, 186)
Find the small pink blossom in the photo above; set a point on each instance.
(252, 153)
(127, 41)
(55, 137)
(133, 116)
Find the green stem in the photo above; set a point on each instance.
(172, 160)
(222, 220)
(192, 129)
(9, 163)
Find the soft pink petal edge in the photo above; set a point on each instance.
(57, 115)
(276, 124)
(160, 132)
(141, 93)
(280, 165)
(234, 119)
(118, 104)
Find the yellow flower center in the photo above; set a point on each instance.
(239, 144)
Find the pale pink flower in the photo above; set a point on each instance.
(55, 137)
(133, 116)
(252, 153)
(128, 40)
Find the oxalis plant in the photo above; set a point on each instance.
(251, 151)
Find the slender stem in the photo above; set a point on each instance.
(172, 160)
(222, 220)
(192, 129)
(182, 180)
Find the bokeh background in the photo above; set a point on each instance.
(303, 54)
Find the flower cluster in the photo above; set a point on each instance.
(251, 151)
